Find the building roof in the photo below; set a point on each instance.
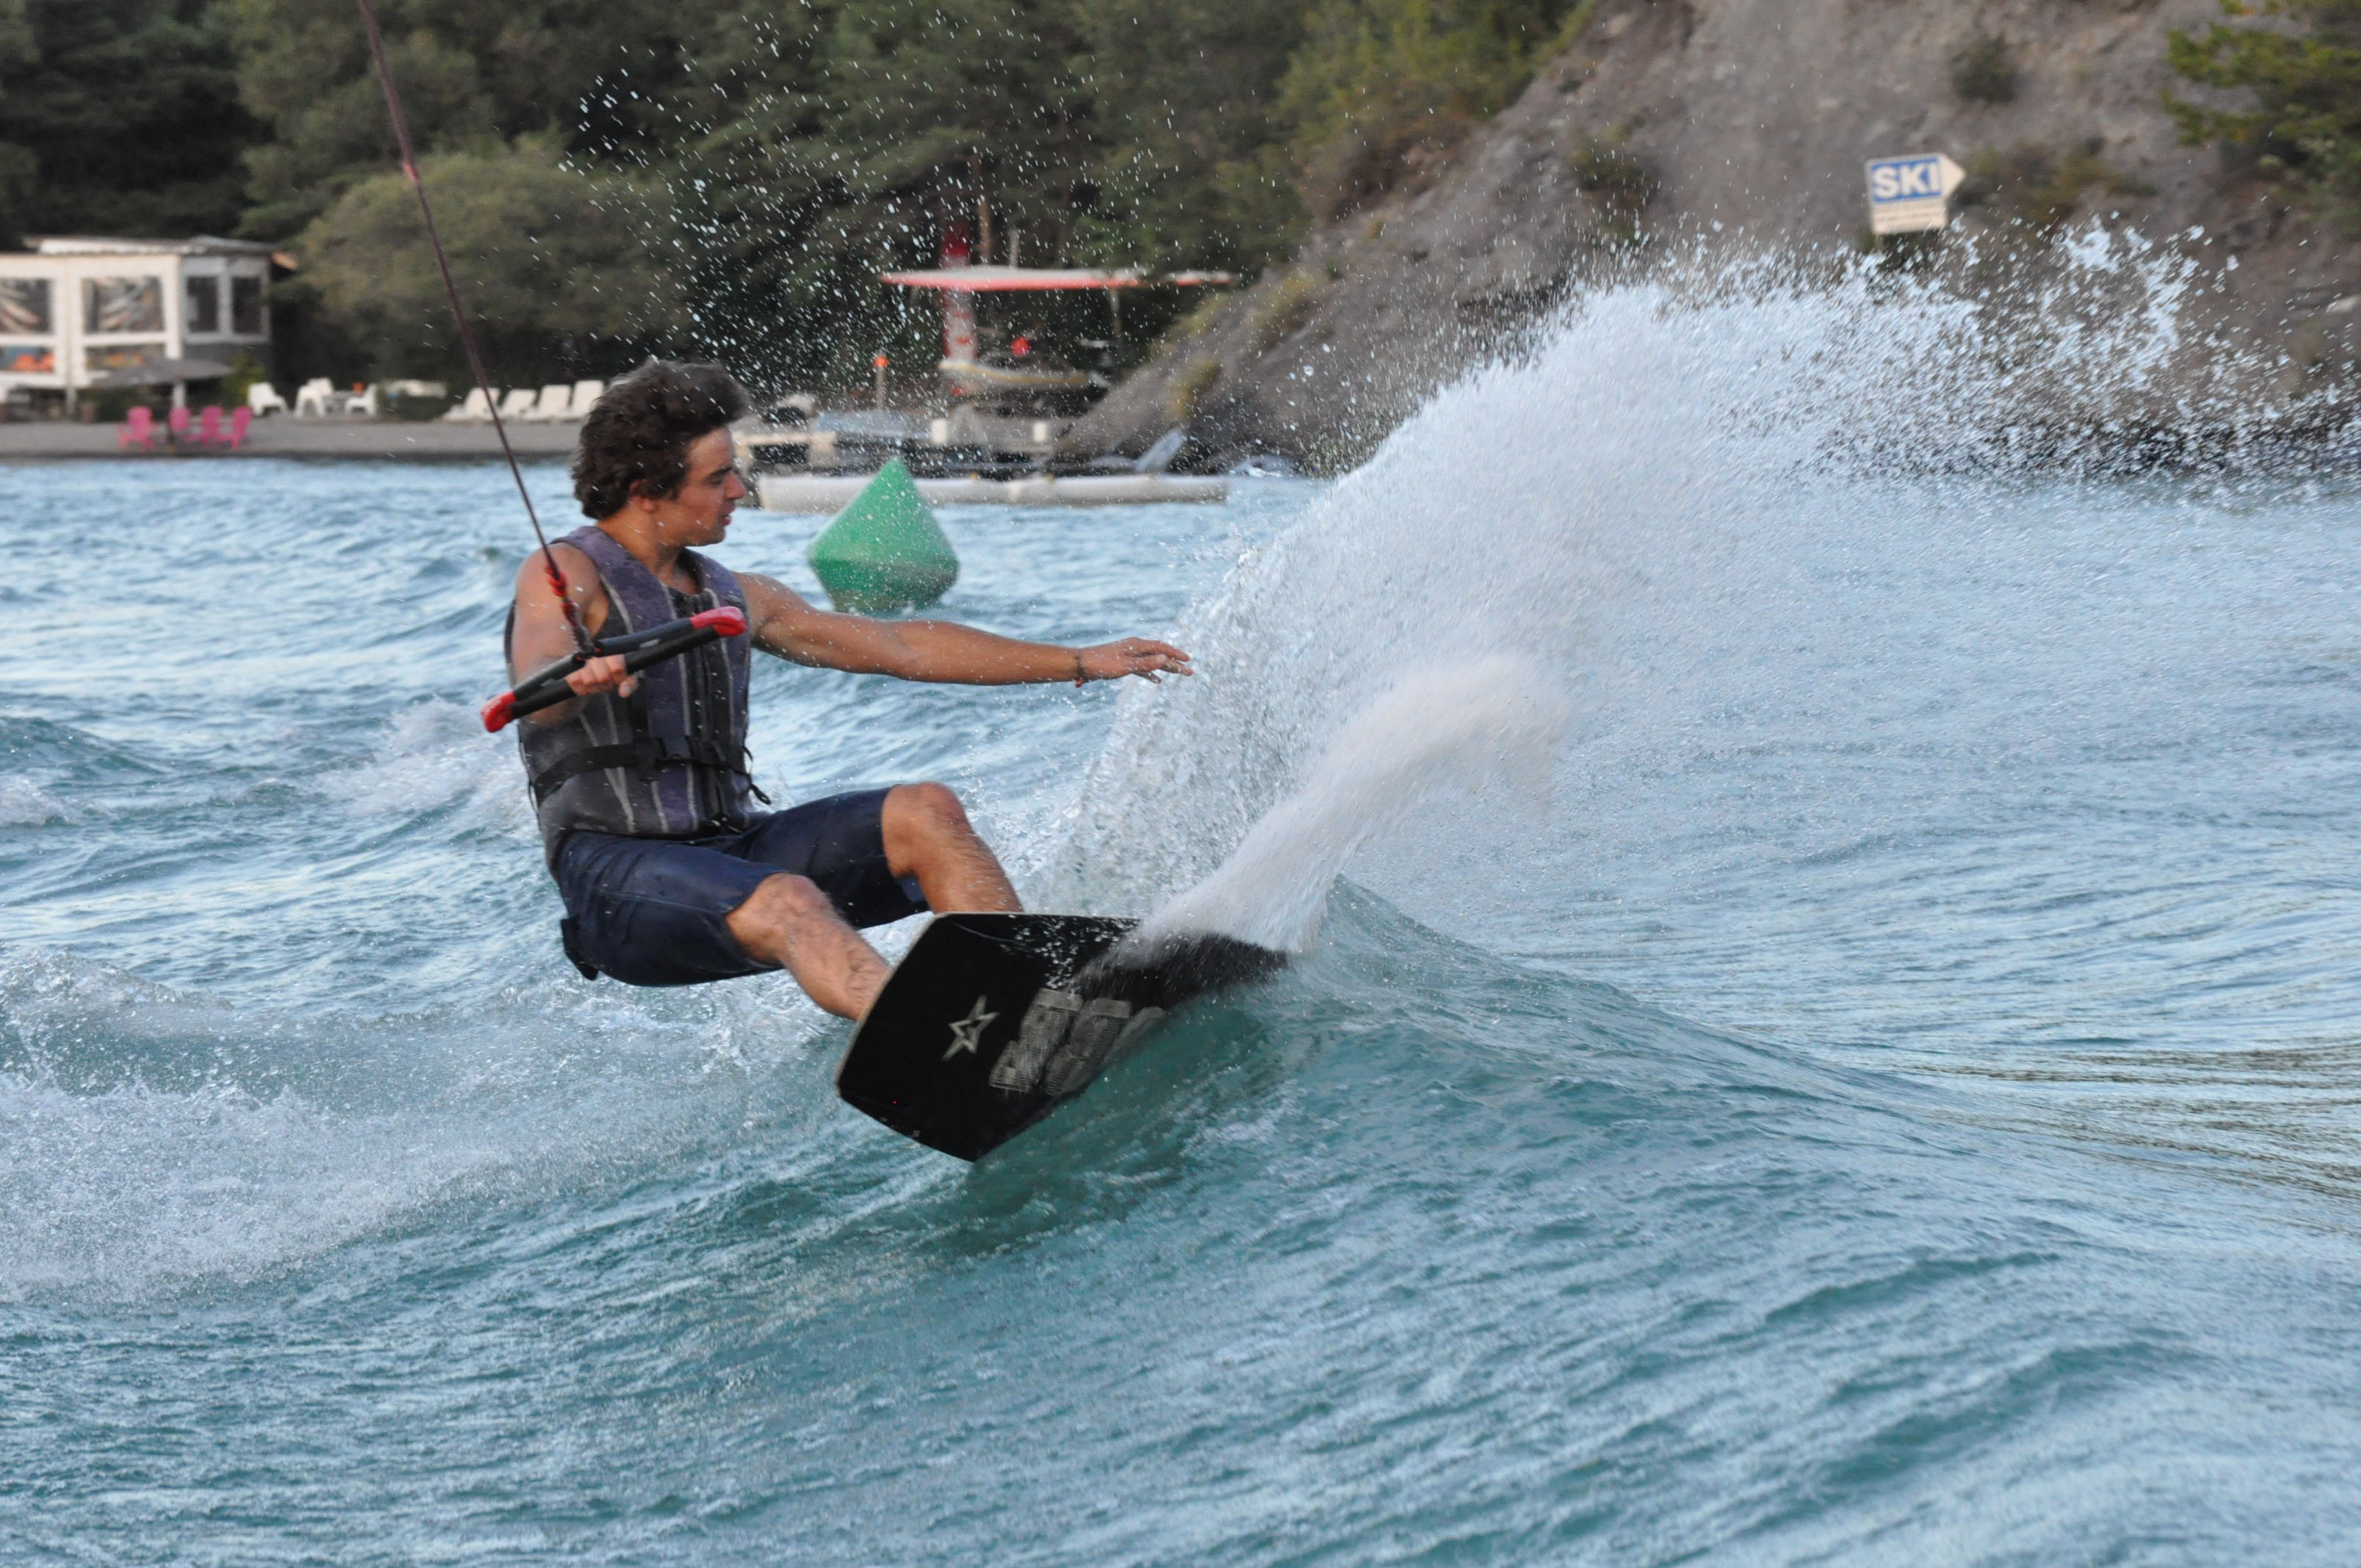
(88, 244)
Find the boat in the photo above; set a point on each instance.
(828, 493)
(1009, 400)
(1013, 372)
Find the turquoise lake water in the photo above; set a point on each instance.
(1882, 1086)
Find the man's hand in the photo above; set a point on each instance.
(1132, 656)
(936, 650)
(604, 673)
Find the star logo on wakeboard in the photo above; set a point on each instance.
(967, 1035)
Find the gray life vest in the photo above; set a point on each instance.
(669, 760)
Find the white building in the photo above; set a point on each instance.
(71, 310)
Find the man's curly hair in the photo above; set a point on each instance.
(637, 438)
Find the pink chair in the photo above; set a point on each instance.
(177, 421)
(238, 420)
(209, 426)
(138, 428)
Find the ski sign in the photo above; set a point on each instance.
(1906, 195)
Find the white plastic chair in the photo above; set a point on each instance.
(363, 402)
(555, 404)
(476, 409)
(313, 397)
(516, 402)
(262, 397)
(584, 394)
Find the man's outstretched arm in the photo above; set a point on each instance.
(785, 624)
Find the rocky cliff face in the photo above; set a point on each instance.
(1741, 126)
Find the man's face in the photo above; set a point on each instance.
(699, 512)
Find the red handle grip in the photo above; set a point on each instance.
(640, 648)
(729, 620)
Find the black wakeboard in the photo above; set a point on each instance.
(990, 1021)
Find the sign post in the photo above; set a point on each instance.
(1908, 194)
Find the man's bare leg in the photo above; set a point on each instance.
(927, 837)
(790, 923)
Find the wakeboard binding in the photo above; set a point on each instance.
(992, 1021)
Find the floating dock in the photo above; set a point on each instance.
(833, 492)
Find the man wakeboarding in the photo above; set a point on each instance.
(641, 783)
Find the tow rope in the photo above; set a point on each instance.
(546, 686)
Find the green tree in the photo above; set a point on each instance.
(1194, 171)
(553, 265)
(828, 143)
(117, 117)
(858, 136)
(17, 45)
(2306, 118)
(1375, 81)
(801, 148)
(470, 75)
(20, 168)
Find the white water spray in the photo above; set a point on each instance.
(1434, 732)
(1671, 511)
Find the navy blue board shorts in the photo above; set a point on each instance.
(656, 911)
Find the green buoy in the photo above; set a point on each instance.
(884, 552)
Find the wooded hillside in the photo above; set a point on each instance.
(1695, 138)
(718, 177)
(1408, 179)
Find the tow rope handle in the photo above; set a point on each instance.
(546, 687)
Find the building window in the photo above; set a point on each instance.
(205, 305)
(121, 356)
(123, 304)
(27, 359)
(246, 306)
(25, 305)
